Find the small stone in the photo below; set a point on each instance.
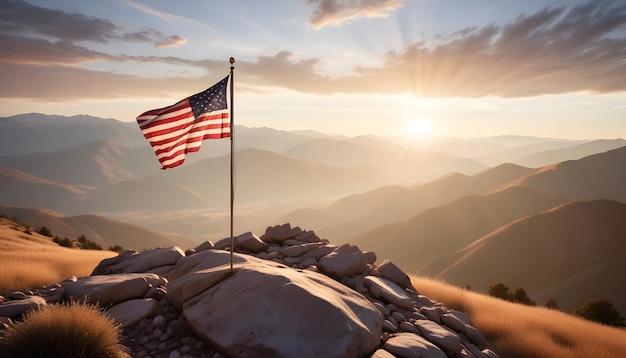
(159, 322)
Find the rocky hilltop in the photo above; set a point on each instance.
(288, 294)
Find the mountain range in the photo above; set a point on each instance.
(544, 214)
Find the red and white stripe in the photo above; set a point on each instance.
(174, 131)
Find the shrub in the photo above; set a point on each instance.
(65, 242)
(499, 290)
(116, 248)
(519, 295)
(70, 330)
(551, 303)
(45, 231)
(602, 311)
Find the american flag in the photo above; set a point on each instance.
(180, 128)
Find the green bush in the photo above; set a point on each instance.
(65, 242)
(602, 311)
(70, 330)
(45, 231)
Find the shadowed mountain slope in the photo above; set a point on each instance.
(547, 157)
(133, 195)
(22, 189)
(577, 249)
(103, 231)
(598, 176)
(356, 214)
(425, 243)
(94, 164)
(400, 162)
(268, 176)
(33, 132)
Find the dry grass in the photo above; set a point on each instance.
(32, 260)
(515, 330)
(72, 330)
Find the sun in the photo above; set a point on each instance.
(419, 127)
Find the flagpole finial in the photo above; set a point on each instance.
(231, 60)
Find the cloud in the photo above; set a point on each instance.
(337, 12)
(556, 50)
(553, 51)
(23, 20)
(171, 41)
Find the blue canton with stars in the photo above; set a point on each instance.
(212, 99)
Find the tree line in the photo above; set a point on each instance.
(82, 242)
(600, 310)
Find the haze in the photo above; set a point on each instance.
(467, 68)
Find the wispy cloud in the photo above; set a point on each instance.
(22, 20)
(337, 12)
(555, 50)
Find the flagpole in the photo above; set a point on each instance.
(232, 142)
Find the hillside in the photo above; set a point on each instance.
(573, 252)
(103, 231)
(557, 155)
(598, 176)
(22, 189)
(359, 213)
(93, 164)
(425, 243)
(29, 260)
(34, 132)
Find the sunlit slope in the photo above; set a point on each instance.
(575, 251)
(515, 330)
(426, 243)
(28, 259)
(105, 232)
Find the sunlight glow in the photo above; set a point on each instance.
(419, 127)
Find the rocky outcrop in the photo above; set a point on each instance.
(288, 294)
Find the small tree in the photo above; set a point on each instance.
(499, 290)
(65, 242)
(45, 231)
(602, 311)
(551, 303)
(116, 248)
(519, 296)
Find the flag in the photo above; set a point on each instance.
(180, 128)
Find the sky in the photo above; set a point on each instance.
(416, 68)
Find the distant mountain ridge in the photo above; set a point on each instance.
(105, 232)
(431, 202)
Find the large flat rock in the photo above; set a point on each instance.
(265, 309)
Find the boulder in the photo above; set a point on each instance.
(389, 291)
(107, 290)
(263, 308)
(16, 308)
(279, 233)
(392, 272)
(409, 345)
(442, 336)
(131, 261)
(346, 260)
(299, 250)
(250, 242)
(130, 312)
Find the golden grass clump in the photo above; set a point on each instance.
(515, 330)
(70, 330)
(22, 269)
